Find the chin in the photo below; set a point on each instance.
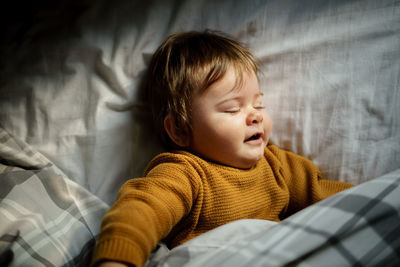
(249, 163)
(242, 161)
(257, 158)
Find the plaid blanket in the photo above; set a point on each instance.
(357, 227)
(46, 219)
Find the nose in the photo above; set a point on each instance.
(254, 117)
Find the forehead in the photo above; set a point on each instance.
(233, 82)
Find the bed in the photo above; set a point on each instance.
(74, 128)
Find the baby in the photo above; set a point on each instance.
(208, 108)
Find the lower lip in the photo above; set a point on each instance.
(258, 141)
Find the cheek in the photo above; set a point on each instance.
(267, 123)
(232, 125)
(223, 128)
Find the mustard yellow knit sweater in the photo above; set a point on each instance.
(182, 196)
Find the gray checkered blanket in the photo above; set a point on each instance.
(357, 227)
(45, 218)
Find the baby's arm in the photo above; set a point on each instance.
(304, 180)
(145, 211)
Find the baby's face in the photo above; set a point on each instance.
(230, 125)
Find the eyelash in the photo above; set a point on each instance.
(232, 111)
(237, 110)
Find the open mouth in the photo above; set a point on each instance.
(253, 137)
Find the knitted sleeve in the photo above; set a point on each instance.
(145, 211)
(304, 180)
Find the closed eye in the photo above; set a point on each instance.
(232, 111)
(259, 107)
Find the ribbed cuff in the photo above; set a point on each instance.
(120, 250)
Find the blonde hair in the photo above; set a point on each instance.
(188, 62)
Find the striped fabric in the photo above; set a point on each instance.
(46, 219)
(357, 227)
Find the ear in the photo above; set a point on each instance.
(178, 132)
